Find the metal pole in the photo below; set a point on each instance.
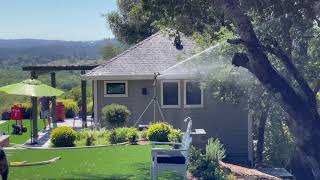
(34, 114)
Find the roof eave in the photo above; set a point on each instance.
(118, 77)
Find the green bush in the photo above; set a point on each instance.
(175, 136)
(119, 135)
(115, 114)
(215, 150)
(207, 167)
(132, 136)
(143, 135)
(88, 137)
(159, 132)
(63, 137)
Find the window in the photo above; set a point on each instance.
(116, 89)
(193, 94)
(170, 94)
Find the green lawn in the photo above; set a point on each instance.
(116, 162)
(19, 139)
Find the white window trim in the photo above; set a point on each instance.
(185, 97)
(115, 95)
(179, 95)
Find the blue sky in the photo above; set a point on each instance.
(76, 20)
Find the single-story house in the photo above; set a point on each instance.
(128, 78)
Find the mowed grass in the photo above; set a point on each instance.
(114, 162)
(16, 138)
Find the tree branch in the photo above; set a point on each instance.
(235, 41)
(286, 60)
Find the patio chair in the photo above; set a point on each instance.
(171, 159)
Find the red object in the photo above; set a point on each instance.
(16, 113)
(60, 114)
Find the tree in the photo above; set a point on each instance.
(109, 51)
(130, 25)
(267, 30)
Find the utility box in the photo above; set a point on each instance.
(199, 139)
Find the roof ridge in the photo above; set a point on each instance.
(126, 51)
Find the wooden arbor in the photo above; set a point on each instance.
(37, 70)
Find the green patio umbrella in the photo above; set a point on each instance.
(31, 87)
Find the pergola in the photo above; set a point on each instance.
(37, 70)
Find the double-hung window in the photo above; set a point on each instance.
(116, 88)
(170, 94)
(193, 94)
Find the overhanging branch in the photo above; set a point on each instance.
(235, 41)
(286, 60)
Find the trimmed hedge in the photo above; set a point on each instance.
(63, 137)
(115, 114)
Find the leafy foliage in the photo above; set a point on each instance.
(115, 114)
(159, 132)
(215, 150)
(132, 136)
(207, 166)
(88, 137)
(119, 135)
(63, 137)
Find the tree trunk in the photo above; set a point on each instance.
(305, 125)
(261, 130)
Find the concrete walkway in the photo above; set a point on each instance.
(44, 135)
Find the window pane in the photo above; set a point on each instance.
(116, 88)
(193, 93)
(170, 93)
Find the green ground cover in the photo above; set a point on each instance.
(19, 139)
(115, 162)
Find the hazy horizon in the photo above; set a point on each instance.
(72, 20)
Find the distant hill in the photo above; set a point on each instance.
(37, 51)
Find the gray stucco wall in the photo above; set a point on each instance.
(227, 122)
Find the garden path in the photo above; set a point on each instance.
(44, 135)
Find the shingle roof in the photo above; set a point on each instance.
(153, 54)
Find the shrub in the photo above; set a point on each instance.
(207, 167)
(63, 137)
(132, 136)
(88, 137)
(143, 135)
(115, 114)
(119, 135)
(70, 106)
(215, 150)
(175, 136)
(159, 132)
